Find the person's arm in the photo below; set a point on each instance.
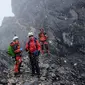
(26, 47)
(38, 45)
(16, 48)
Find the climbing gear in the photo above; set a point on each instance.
(20, 49)
(43, 41)
(34, 41)
(15, 37)
(32, 45)
(30, 34)
(11, 51)
(16, 47)
(17, 50)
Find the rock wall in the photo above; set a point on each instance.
(63, 20)
(10, 27)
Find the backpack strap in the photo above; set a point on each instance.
(35, 40)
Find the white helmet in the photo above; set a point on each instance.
(30, 34)
(15, 37)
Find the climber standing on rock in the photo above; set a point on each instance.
(43, 41)
(15, 51)
(33, 47)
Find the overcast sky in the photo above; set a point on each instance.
(5, 9)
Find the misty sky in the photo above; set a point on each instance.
(5, 9)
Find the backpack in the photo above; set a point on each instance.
(11, 51)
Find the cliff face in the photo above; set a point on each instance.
(5, 63)
(64, 22)
(10, 27)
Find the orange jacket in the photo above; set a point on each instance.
(16, 46)
(31, 45)
(42, 36)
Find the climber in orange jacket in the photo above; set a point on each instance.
(43, 40)
(33, 47)
(17, 50)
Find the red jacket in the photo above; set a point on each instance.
(31, 45)
(16, 46)
(42, 36)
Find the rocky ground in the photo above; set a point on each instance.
(55, 70)
(64, 22)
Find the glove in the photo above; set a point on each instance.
(35, 53)
(20, 49)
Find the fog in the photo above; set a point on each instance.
(5, 9)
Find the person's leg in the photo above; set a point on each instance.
(46, 47)
(16, 70)
(32, 63)
(37, 68)
(16, 67)
(19, 67)
(42, 47)
(19, 61)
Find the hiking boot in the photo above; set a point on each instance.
(13, 83)
(16, 74)
(20, 73)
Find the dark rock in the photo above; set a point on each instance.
(10, 27)
(32, 83)
(64, 22)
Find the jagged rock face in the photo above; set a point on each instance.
(39, 10)
(5, 63)
(10, 27)
(62, 19)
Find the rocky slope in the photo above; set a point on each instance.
(55, 70)
(5, 64)
(64, 22)
(62, 19)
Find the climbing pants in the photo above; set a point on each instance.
(17, 64)
(34, 64)
(44, 44)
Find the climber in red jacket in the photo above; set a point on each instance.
(33, 47)
(17, 50)
(43, 40)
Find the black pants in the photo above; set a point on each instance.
(34, 64)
